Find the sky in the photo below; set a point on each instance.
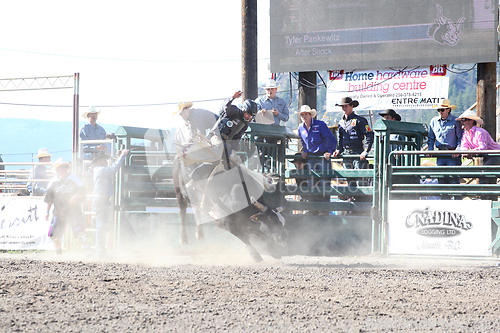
(136, 60)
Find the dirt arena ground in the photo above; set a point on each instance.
(216, 292)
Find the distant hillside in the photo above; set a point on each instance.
(20, 139)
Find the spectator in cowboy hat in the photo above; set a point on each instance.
(92, 131)
(66, 193)
(272, 103)
(477, 138)
(445, 134)
(278, 107)
(355, 138)
(390, 114)
(316, 139)
(38, 171)
(355, 135)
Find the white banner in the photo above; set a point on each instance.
(23, 225)
(417, 88)
(440, 227)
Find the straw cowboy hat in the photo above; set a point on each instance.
(270, 84)
(392, 113)
(445, 103)
(59, 162)
(469, 114)
(183, 105)
(306, 108)
(42, 152)
(347, 101)
(91, 109)
(428, 163)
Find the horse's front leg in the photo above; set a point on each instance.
(182, 212)
(241, 233)
(199, 227)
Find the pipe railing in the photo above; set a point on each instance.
(16, 179)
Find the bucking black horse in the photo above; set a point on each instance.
(227, 197)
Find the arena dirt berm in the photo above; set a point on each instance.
(184, 291)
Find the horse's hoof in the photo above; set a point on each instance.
(275, 255)
(274, 251)
(254, 254)
(256, 257)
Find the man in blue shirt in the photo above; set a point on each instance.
(92, 131)
(103, 191)
(272, 103)
(317, 139)
(445, 133)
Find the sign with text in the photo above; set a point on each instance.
(315, 35)
(440, 227)
(417, 88)
(23, 225)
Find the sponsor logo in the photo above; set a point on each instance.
(437, 223)
(336, 75)
(437, 70)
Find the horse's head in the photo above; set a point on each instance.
(272, 222)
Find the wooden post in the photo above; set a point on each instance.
(486, 96)
(76, 116)
(307, 90)
(249, 49)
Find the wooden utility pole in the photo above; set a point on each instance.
(307, 89)
(249, 49)
(76, 115)
(486, 96)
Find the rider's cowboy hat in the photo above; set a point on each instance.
(59, 162)
(91, 109)
(347, 101)
(42, 152)
(307, 109)
(445, 104)
(183, 105)
(270, 84)
(469, 114)
(392, 113)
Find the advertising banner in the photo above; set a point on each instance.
(316, 35)
(440, 227)
(23, 225)
(416, 88)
